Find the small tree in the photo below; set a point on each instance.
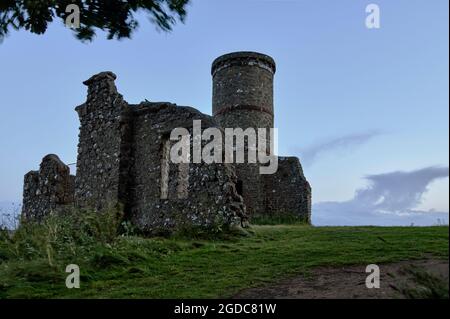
(116, 17)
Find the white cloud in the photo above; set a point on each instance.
(390, 199)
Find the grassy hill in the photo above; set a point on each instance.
(33, 261)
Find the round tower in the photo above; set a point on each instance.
(243, 90)
(243, 98)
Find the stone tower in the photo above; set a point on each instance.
(243, 90)
(243, 98)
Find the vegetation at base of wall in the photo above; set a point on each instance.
(216, 233)
(61, 236)
(120, 264)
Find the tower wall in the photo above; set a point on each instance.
(243, 98)
(243, 90)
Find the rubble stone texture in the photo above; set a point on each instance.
(287, 191)
(123, 158)
(48, 189)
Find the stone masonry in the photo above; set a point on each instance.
(123, 158)
(243, 97)
(50, 188)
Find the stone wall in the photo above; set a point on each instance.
(120, 158)
(48, 189)
(167, 196)
(287, 192)
(103, 148)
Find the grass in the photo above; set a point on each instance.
(427, 285)
(286, 219)
(33, 261)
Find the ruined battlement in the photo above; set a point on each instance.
(243, 58)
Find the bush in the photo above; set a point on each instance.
(62, 235)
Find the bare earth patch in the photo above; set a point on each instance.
(397, 280)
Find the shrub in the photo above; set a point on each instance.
(61, 235)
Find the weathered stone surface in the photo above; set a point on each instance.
(120, 155)
(48, 189)
(287, 191)
(103, 144)
(205, 196)
(243, 97)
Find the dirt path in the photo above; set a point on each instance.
(397, 280)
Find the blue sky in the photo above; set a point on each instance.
(358, 102)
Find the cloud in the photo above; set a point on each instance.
(389, 199)
(310, 154)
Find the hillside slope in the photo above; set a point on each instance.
(135, 267)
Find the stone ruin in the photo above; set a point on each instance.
(47, 189)
(123, 158)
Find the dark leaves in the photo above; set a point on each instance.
(116, 17)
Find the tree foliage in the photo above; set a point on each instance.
(116, 17)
